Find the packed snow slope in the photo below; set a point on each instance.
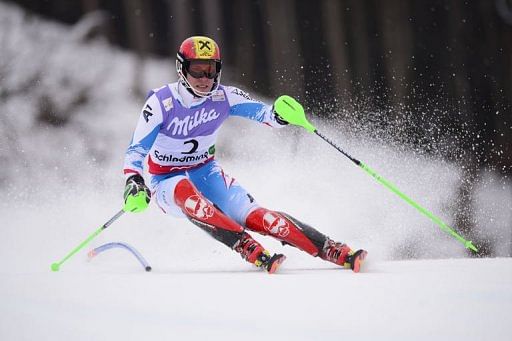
(217, 298)
(61, 183)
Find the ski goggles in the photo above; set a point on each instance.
(199, 68)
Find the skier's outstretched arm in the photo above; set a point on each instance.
(241, 104)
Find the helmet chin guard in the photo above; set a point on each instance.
(198, 48)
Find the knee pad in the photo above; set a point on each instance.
(200, 210)
(286, 229)
(165, 196)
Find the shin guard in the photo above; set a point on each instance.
(205, 215)
(287, 229)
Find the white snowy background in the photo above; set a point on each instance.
(59, 184)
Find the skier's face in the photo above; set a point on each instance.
(201, 75)
(202, 84)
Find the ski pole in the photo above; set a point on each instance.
(56, 266)
(293, 113)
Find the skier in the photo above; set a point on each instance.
(177, 130)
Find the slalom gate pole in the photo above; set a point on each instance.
(96, 251)
(56, 266)
(294, 114)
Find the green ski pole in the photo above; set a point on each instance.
(292, 112)
(56, 266)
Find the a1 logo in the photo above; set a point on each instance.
(147, 113)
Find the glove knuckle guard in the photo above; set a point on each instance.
(136, 194)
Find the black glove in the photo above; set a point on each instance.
(278, 118)
(136, 194)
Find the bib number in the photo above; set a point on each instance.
(194, 144)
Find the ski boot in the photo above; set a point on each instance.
(254, 253)
(355, 260)
(271, 264)
(341, 254)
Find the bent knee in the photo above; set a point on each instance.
(165, 197)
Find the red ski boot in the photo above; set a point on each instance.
(341, 254)
(355, 260)
(254, 253)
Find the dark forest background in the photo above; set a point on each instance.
(434, 75)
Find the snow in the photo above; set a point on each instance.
(406, 300)
(60, 185)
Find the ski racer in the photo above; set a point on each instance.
(177, 131)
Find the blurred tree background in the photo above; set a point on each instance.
(434, 75)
